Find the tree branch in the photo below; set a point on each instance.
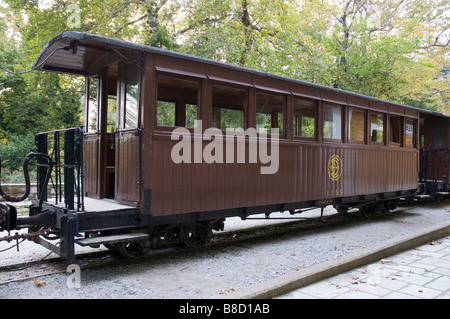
(132, 22)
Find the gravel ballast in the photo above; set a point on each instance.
(219, 270)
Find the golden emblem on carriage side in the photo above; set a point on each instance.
(335, 168)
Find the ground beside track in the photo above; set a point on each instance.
(233, 270)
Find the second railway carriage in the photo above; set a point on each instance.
(434, 172)
(332, 147)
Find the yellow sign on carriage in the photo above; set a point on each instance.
(335, 168)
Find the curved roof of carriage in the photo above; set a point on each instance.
(78, 53)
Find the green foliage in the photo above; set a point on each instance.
(34, 101)
(391, 50)
(387, 49)
(13, 153)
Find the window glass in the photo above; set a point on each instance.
(396, 129)
(229, 108)
(166, 113)
(177, 102)
(111, 116)
(410, 133)
(377, 128)
(132, 95)
(332, 126)
(356, 125)
(111, 84)
(270, 112)
(191, 115)
(305, 118)
(92, 106)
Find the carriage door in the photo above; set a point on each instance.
(99, 134)
(128, 138)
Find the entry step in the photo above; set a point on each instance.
(112, 239)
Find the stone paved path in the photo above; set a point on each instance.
(423, 272)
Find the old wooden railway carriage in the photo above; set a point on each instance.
(333, 147)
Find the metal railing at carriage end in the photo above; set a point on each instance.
(65, 147)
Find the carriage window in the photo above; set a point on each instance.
(332, 126)
(132, 95)
(356, 125)
(396, 130)
(410, 133)
(270, 112)
(166, 113)
(305, 118)
(177, 102)
(191, 114)
(229, 108)
(377, 128)
(112, 115)
(92, 105)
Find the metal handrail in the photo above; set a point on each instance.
(65, 147)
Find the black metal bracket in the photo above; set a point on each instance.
(68, 232)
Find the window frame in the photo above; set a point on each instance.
(316, 119)
(364, 112)
(88, 105)
(174, 111)
(245, 109)
(400, 129)
(371, 142)
(176, 100)
(342, 130)
(125, 98)
(414, 135)
(285, 112)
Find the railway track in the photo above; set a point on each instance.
(245, 255)
(49, 265)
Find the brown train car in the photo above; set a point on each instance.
(434, 170)
(334, 147)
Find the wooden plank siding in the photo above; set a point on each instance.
(91, 165)
(302, 176)
(128, 168)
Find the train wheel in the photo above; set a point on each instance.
(368, 210)
(134, 249)
(384, 207)
(196, 236)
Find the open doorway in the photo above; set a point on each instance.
(109, 132)
(111, 143)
